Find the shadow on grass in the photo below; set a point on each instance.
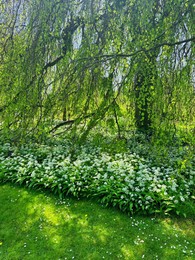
(37, 225)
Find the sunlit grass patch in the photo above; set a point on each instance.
(37, 225)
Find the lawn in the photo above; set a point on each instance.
(38, 225)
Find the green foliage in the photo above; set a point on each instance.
(121, 67)
(125, 180)
(73, 61)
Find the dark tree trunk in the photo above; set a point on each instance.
(144, 88)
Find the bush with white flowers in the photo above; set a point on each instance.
(124, 180)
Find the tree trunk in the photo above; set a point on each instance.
(144, 88)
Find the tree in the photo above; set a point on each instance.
(58, 56)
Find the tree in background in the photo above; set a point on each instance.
(85, 61)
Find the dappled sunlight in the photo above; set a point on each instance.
(50, 214)
(56, 239)
(102, 233)
(83, 222)
(71, 229)
(127, 252)
(97, 136)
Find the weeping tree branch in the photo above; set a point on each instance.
(110, 56)
(70, 122)
(120, 55)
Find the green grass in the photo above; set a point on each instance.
(37, 225)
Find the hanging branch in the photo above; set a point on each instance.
(70, 122)
(101, 58)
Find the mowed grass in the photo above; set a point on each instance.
(37, 225)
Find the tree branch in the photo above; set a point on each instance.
(69, 122)
(120, 55)
(52, 63)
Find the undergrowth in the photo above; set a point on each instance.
(117, 173)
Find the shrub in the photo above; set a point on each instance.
(124, 180)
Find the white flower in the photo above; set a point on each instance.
(148, 198)
(105, 176)
(125, 190)
(77, 163)
(33, 174)
(98, 176)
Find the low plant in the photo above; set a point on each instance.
(124, 180)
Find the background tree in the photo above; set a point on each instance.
(77, 60)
